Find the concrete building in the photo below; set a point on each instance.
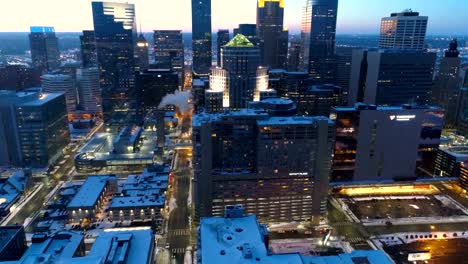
(12, 243)
(404, 30)
(391, 77)
(45, 53)
(87, 203)
(447, 84)
(123, 246)
(277, 166)
(143, 196)
(89, 91)
(272, 36)
(61, 83)
(370, 146)
(239, 238)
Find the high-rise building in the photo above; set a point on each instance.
(318, 38)
(88, 49)
(448, 83)
(343, 60)
(45, 53)
(462, 112)
(278, 167)
(152, 86)
(141, 54)
(369, 145)
(169, 51)
(249, 31)
(391, 77)
(61, 83)
(19, 77)
(294, 55)
(272, 35)
(222, 39)
(201, 36)
(240, 77)
(317, 100)
(115, 33)
(89, 91)
(404, 30)
(12, 243)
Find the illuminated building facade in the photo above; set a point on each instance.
(404, 30)
(201, 36)
(115, 34)
(369, 145)
(272, 36)
(276, 166)
(318, 35)
(62, 83)
(45, 53)
(89, 91)
(141, 54)
(240, 78)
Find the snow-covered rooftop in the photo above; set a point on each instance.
(89, 192)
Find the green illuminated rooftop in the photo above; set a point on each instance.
(240, 41)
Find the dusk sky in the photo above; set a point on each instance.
(446, 17)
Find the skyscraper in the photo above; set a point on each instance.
(404, 30)
(272, 35)
(249, 31)
(448, 83)
(44, 48)
(141, 54)
(294, 55)
(115, 31)
(61, 83)
(222, 39)
(201, 36)
(391, 77)
(169, 51)
(88, 49)
(153, 85)
(240, 78)
(89, 91)
(318, 38)
(278, 167)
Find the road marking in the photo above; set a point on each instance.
(179, 232)
(177, 250)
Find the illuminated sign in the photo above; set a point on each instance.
(419, 256)
(402, 117)
(298, 174)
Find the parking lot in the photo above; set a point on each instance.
(401, 207)
(442, 251)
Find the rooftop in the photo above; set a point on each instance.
(41, 100)
(291, 120)
(201, 118)
(7, 233)
(89, 192)
(240, 41)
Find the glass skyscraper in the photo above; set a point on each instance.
(201, 36)
(318, 38)
(115, 33)
(44, 48)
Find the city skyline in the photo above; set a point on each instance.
(354, 17)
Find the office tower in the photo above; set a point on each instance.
(33, 128)
(19, 77)
(448, 83)
(318, 38)
(317, 100)
(169, 51)
(343, 60)
(240, 77)
(404, 30)
(391, 77)
(12, 243)
(114, 30)
(249, 31)
(61, 83)
(89, 91)
(152, 86)
(369, 145)
(201, 36)
(141, 54)
(294, 55)
(276, 166)
(271, 34)
(45, 53)
(88, 49)
(222, 39)
(462, 112)
(287, 83)
(199, 86)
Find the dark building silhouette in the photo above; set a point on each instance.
(88, 49)
(153, 85)
(201, 36)
(222, 39)
(271, 33)
(294, 55)
(169, 51)
(45, 53)
(12, 243)
(141, 54)
(19, 77)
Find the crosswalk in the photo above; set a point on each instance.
(177, 250)
(355, 240)
(179, 232)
